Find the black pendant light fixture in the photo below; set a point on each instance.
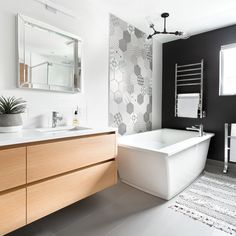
(164, 16)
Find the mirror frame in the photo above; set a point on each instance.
(78, 75)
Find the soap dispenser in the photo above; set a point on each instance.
(76, 118)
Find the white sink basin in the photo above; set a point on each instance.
(62, 129)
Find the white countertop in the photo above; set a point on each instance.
(34, 135)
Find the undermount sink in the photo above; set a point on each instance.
(62, 129)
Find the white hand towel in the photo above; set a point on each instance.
(232, 152)
(188, 105)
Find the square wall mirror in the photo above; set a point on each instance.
(227, 85)
(48, 58)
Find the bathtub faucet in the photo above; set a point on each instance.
(198, 128)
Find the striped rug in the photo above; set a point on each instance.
(211, 199)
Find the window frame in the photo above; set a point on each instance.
(221, 69)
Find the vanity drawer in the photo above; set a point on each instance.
(12, 211)
(12, 168)
(45, 160)
(51, 195)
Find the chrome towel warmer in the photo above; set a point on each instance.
(227, 147)
(189, 75)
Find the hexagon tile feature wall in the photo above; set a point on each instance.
(130, 77)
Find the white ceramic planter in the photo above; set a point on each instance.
(10, 123)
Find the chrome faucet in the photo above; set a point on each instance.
(56, 117)
(198, 128)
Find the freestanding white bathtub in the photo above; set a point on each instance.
(162, 162)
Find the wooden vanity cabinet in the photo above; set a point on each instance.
(49, 159)
(51, 195)
(12, 210)
(37, 179)
(12, 168)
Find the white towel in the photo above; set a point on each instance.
(188, 105)
(232, 153)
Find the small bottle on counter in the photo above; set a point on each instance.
(76, 119)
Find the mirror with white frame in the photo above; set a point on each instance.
(48, 58)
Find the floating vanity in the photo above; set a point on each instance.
(42, 172)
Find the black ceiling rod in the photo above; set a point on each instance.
(164, 15)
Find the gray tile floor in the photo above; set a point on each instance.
(119, 211)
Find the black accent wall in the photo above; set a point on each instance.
(219, 109)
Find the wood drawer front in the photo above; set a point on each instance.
(51, 195)
(45, 160)
(12, 211)
(12, 168)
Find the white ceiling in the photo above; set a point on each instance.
(190, 16)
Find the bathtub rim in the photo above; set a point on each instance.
(173, 148)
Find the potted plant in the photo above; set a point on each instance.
(10, 113)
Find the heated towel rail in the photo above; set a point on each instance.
(189, 75)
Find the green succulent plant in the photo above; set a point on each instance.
(12, 105)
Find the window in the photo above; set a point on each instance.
(228, 70)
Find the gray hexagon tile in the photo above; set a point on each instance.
(143, 90)
(130, 107)
(149, 108)
(148, 49)
(127, 36)
(150, 65)
(149, 91)
(138, 33)
(149, 125)
(146, 117)
(123, 45)
(117, 118)
(122, 128)
(133, 117)
(140, 99)
(137, 70)
(130, 78)
(113, 63)
(150, 99)
(140, 80)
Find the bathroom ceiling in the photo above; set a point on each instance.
(190, 16)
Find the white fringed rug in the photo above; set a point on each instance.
(211, 199)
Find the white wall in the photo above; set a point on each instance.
(92, 26)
